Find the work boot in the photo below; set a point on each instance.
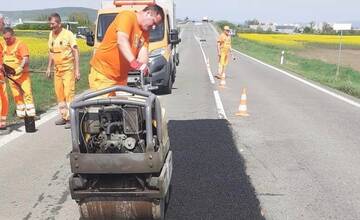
(68, 125)
(60, 121)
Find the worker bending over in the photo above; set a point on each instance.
(16, 55)
(124, 47)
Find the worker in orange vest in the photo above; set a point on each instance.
(124, 47)
(64, 54)
(224, 50)
(4, 103)
(16, 55)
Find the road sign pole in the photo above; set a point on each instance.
(341, 28)
(339, 55)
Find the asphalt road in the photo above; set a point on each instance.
(294, 157)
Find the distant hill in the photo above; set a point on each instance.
(35, 14)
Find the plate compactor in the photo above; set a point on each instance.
(121, 159)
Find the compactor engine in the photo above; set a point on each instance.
(121, 159)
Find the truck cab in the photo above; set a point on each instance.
(163, 54)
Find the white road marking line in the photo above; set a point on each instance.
(21, 131)
(219, 105)
(211, 77)
(182, 30)
(333, 94)
(181, 33)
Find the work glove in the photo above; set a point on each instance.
(136, 65)
(19, 70)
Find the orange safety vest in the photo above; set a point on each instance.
(11, 59)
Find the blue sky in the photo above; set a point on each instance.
(233, 10)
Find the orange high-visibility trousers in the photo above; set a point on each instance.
(223, 61)
(4, 102)
(98, 81)
(23, 97)
(64, 82)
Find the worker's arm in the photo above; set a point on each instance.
(124, 46)
(24, 61)
(50, 63)
(75, 52)
(219, 42)
(219, 49)
(143, 56)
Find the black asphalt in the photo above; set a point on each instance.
(209, 179)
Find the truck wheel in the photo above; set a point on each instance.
(167, 89)
(173, 75)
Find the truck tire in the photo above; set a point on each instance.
(167, 89)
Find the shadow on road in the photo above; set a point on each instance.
(209, 179)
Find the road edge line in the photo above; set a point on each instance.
(211, 77)
(219, 105)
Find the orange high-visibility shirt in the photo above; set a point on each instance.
(20, 49)
(225, 43)
(108, 59)
(60, 47)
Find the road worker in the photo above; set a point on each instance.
(224, 50)
(4, 103)
(124, 47)
(16, 55)
(64, 54)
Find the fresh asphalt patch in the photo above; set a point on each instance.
(209, 178)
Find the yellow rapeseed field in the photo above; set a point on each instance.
(298, 40)
(38, 47)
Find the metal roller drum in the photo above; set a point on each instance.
(107, 209)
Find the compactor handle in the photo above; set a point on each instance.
(92, 94)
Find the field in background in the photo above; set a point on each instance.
(302, 40)
(311, 56)
(43, 89)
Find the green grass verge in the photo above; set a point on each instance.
(348, 81)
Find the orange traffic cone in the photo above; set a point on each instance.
(242, 107)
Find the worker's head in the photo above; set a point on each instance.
(150, 17)
(9, 36)
(2, 22)
(55, 22)
(227, 30)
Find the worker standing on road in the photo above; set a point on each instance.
(4, 102)
(124, 47)
(16, 55)
(64, 54)
(224, 50)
